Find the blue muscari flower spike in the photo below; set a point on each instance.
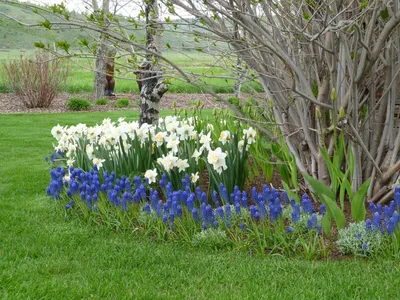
(260, 199)
(263, 209)
(203, 197)
(242, 227)
(285, 198)
(215, 196)
(257, 215)
(368, 225)
(322, 210)
(69, 204)
(179, 211)
(312, 222)
(296, 213)
(209, 212)
(386, 212)
(159, 208)
(391, 226)
(89, 201)
(252, 211)
(358, 236)
(245, 202)
(147, 208)
(83, 196)
(215, 224)
(236, 200)
(254, 194)
(289, 229)
(233, 197)
(171, 217)
(379, 208)
(166, 208)
(376, 222)
(397, 197)
(162, 184)
(174, 206)
(220, 212)
(372, 207)
(392, 208)
(137, 182)
(195, 215)
(198, 193)
(292, 202)
(165, 219)
(396, 218)
(365, 247)
(224, 195)
(204, 225)
(237, 208)
(164, 178)
(203, 211)
(190, 202)
(228, 211)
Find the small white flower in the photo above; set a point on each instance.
(89, 151)
(182, 164)
(194, 177)
(66, 178)
(205, 139)
(57, 132)
(210, 127)
(151, 175)
(70, 162)
(168, 162)
(196, 154)
(98, 162)
(250, 134)
(224, 137)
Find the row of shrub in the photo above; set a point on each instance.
(80, 104)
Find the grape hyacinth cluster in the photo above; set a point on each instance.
(385, 218)
(220, 209)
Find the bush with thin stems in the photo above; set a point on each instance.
(36, 80)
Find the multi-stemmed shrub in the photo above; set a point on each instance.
(101, 101)
(36, 80)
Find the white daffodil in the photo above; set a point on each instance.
(182, 164)
(196, 154)
(159, 138)
(224, 137)
(89, 151)
(98, 162)
(241, 145)
(217, 159)
(71, 150)
(194, 177)
(151, 175)
(168, 162)
(185, 132)
(205, 139)
(57, 132)
(210, 127)
(250, 134)
(172, 142)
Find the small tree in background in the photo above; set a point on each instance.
(36, 80)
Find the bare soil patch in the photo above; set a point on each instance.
(10, 104)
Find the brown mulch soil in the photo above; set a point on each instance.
(9, 103)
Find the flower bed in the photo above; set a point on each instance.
(111, 174)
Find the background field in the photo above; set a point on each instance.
(44, 256)
(200, 66)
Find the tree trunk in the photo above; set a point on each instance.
(100, 69)
(153, 87)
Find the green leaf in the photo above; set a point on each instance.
(358, 202)
(326, 224)
(364, 4)
(46, 24)
(327, 197)
(385, 14)
(39, 45)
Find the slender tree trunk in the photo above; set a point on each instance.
(100, 69)
(153, 87)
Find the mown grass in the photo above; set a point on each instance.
(44, 256)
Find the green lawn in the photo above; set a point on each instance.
(43, 256)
